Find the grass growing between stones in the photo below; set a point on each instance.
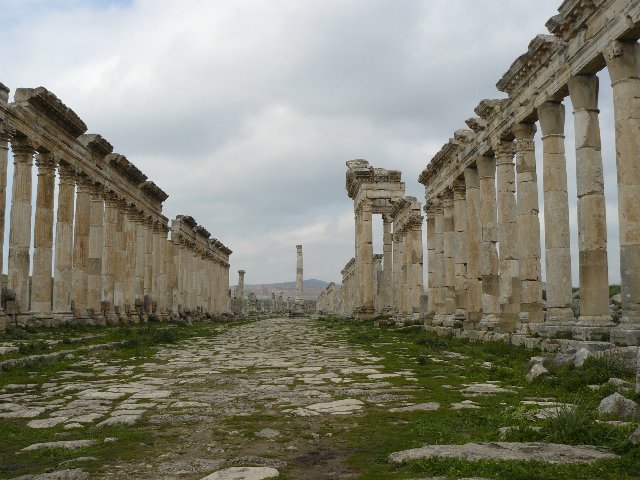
(443, 367)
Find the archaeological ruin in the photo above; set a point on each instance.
(114, 257)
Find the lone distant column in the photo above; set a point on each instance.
(299, 276)
(594, 322)
(240, 293)
(20, 221)
(623, 62)
(556, 220)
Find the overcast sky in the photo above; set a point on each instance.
(245, 111)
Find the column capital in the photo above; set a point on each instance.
(46, 163)
(67, 173)
(583, 90)
(83, 182)
(622, 60)
(524, 133)
(97, 191)
(551, 115)
(504, 150)
(6, 131)
(459, 189)
(22, 147)
(111, 199)
(433, 206)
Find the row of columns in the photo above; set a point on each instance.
(503, 291)
(111, 262)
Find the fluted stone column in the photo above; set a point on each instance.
(121, 267)
(148, 265)
(594, 322)
(169, 283)
(139, 269)
(5, 137)
(387, 261)
(96, 247)
(460, 249)
(507, 236)
(449, 278)
(406, 274)
(366, 308)
(240, 294)
(489, 252)
(623, 62)
(556, 221)
(226, 287)
(438, 241)
(130, 227)
(63, 260)
(81, 246)
(109, 255)
(397, 270)
(156, 283)
(42, 282)
(417, 269)
(532, 311)
(430, 210)
(474, 236)
(20, 221)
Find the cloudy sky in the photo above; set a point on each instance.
(245, 111)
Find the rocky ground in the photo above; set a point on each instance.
(279, 398)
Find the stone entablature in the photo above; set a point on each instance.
(503, 292)
(111, 259)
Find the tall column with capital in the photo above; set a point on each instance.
(41, 283)
(430, 210)
(5, 136)
(556, 221)
(528, 229)
(489, 240)
(121, 267)
(366, 247)
(96, 247)
(594, 322)
(299, 276)
(109, 255)
(157, 265)
(449, 278)
(63, 260)
(387, 264)
(507, 236)
(140, 232)
(406, 274)
(623, 62)
(460, 249)
(417, 267)
(20, 221)
(129, 228)
(169, 271)
(81, 246)
(439, 295)
(397, 270)
(473, 233)
(240, 293)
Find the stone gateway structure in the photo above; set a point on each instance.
(115, 257)
(483, 239)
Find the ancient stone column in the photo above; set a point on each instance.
(449, 278)
(460, 249)
(299, 276)
(439, 296)
(417, 268)
(81, 246)
(474, 236)
(387, 261)
(532, 312)
(129, 229)
(507, 236)
(594, 322)
(96, 247)
(623, 62)
(397, 270)
(20, 222)
(406, 274)
(430, 210)
(156, 293)
(486, 165)
(63, 259)
(109, 255)
(41, 283)
(169, 276)
(148, 264)
(121, 267)
(556, 221)
(5, 136)
(367, 308)
(240, 293)
(140, 257)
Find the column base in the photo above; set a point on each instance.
(364, 313)
(626, 334)
(593, 327)
(438, 320)
(449, 320)
(489, 322)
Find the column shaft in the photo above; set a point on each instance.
(460, 249)
(367, 307)
(109, 256)
(594, 322)
(474, 237)
(63, 260)
(439, 295)
(387, 264)
(81, 247)
(96, 248)
(417, 275)
(449, 279)
(431, 261)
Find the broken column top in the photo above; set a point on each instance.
(4, 93)
(299, 247)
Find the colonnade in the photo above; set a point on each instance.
(483, 230)
(111, 258)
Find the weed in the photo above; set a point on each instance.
(433, 342)
(33, 347)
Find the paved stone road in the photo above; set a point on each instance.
(291, 368)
